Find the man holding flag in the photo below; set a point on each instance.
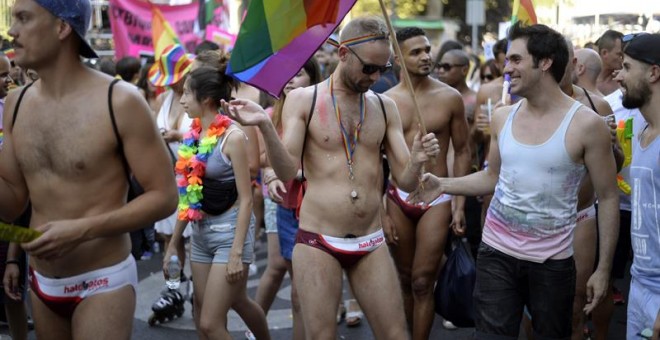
(337, 129)
(63, 148)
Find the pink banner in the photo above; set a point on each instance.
(130, 21)
(221, 37)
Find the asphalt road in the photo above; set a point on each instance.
(279, 317)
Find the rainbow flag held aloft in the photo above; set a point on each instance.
(278, 36)
(523, 10)
(162, 33)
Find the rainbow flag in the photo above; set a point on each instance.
(278, 36)
(171, 60)
(162, 33)
(523, 10)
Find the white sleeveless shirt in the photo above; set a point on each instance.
(534, 208)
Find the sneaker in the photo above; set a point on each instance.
(249, 335)
(146, 255)
(448, 325)
(617, 297)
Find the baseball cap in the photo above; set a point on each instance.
(643, 46)
(76, 13)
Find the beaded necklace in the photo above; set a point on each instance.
(191, 166)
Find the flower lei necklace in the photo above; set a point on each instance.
(193, 155)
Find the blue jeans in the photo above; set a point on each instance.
(505, 285)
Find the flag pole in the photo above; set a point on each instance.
(404, 70)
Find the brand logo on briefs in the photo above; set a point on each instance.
(87, 285)
(371, 243)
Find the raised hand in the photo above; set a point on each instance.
(244, 111)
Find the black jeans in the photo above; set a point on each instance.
(505, 285)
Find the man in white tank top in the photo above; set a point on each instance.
(538, 156)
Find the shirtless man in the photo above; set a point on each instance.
(419, 235)
(586, 236)
(587, 68)
(610, 49)
(340, 217)
(538, 156)
(60, 148)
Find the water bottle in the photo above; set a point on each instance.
(174, 273)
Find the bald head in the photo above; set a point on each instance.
(589, 63)
(459, 57)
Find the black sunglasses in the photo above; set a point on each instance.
(370, 69)
(487, 77)
(448, 66)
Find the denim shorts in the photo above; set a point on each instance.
(505, 285)
(287, 227)
(213, 237)
(270, 216)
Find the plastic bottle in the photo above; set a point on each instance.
(174, 273)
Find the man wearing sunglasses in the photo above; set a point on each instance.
(640, 84)
(419, 234)
(337, 130)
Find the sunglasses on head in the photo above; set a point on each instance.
(448, 66)
(370, 69)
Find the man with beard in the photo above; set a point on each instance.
(419, 234)
(337, 131)
(63, 148)
(640, 82)
(538, 156)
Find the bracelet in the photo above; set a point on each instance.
(16, 262)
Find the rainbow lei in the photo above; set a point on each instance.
(193, 155)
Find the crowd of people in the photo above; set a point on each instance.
(545, 157)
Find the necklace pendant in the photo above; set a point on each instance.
(354, 195)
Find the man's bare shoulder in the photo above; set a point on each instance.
(299, 101)
(442, 91)
(397, 90)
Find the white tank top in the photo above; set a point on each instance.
(162, 120)
(534, 207)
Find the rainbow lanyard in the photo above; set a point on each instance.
(350, 144)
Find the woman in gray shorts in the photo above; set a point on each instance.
(215, 194)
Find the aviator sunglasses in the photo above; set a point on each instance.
(370, 69)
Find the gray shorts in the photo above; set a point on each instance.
(213, 237)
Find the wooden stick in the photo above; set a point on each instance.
(404, 70)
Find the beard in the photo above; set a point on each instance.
(636, 97)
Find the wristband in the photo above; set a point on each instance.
(16, 262)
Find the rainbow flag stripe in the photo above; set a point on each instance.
(523, 10)
(10, 53)
(278, 36)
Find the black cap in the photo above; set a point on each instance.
(644, 47)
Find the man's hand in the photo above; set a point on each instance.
(391, 236)
(58, 238)
(275, 189)
(245, 112)
(12, 281)
(424, 148)
(430, 188)
(458, 224)
(597, 287)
